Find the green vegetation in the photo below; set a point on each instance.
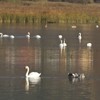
(49, 12)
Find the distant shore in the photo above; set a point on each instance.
(49, 12)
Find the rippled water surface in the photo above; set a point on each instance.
(54, 62)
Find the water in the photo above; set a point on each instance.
(45, 55)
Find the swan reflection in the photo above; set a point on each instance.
(31, 82)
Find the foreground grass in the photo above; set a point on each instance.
(49, 13)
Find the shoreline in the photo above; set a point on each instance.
(49, 12)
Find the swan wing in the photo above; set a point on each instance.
(34, 74)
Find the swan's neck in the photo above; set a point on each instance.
(1, 34)
(27, 72)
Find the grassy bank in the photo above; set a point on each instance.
(49, 13)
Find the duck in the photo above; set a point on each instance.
(34, 75)
(76, 75)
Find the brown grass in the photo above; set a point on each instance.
(49, 12)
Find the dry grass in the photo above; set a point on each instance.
(49, 12)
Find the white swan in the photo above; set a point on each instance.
(12, 36)
(89, 44)
(80, 36)
(74, 26)
(28, 35)
(97, 26)
(38, 36)
(33, 75)
(60, 36)
(64, 43)
(61, 44)
(5, 35)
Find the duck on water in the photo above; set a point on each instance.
(76, 75)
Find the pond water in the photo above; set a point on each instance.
(54, 62)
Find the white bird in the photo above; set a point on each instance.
(61, 44)
(89, 44)
(12, 36)
(74, 26)
(28, 35)
(60, 36)
(5, 35)
(64, 43)
(33, 75)
(80, 36)
(97, 26)
(38, 36)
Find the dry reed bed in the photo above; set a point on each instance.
(49, 12)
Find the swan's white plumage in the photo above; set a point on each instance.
(38, 36)
(5, 35)
(12, 36)
(89, 44)
(79, 36)
(60, 36)
(34, 75)
(28, 35)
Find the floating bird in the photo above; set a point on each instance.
(80, 36)
(5, 35)
(61, 44)
(97, 26)
(64, 43)
(28, 35)
(89, 44)
(60, 36)
(76, 75)
(38, 36)
(12, 36)
(73, 26)
(33, 75)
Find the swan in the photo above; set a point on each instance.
(89, 44)
(64, 43)
(28, 35)
(61, 44)
(60, 36)
(5, 35)
(74, 26)
(38, 36)
(12, 36)
(34, 75)
(97, 26)
(80, 36)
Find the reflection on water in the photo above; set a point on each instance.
(45, 55)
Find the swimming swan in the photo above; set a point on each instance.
(28, 35)
(3, 35)
(34, 75)
(89, 44)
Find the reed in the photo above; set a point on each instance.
(49, 12)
